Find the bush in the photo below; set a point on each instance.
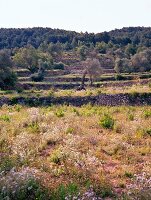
(59, 113)
(7, 77)
(37, 77)
(56, 157)
(31, 190)
(6, 164)
(147, 114)
(119, 77)
(59, 65)
(19, 89)
(34, 127)
(66, 192)
(5, 118)
(129, 174)
(148, 131)
(51, 92)
(107, 122)
(145, 76)
(131, 117)
(69, 130)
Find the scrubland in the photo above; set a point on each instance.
(66, 152)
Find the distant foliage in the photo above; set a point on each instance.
(59, 65)
(17, 38)
(7, 77)
(123, 65)
(125, 50)
(142, 61)
(29, 58)
(37, 77)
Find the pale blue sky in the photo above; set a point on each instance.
(78, 15)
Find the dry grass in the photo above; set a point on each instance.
(64, 145)
(139, 88)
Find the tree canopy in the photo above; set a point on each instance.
(7, 76)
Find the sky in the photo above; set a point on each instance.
(77, 15)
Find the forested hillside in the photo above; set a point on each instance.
(38, 50)
(11, 38)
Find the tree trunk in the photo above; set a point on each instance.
(83, 78)
(91, 80)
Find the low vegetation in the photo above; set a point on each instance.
(66, 152)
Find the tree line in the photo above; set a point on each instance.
(17, 38)
(37, 49)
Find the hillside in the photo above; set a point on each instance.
(64, 136)
(13, 38)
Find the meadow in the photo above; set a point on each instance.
(64, 152)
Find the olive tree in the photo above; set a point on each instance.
(142, 61)
(92, 68)
(123, 65)
(27, 58)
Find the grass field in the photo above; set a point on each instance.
(66, 152)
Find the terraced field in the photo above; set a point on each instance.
(58, 143)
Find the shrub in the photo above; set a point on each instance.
(107, 122)
(130, 116)
(18, 108)
(8, 78)
(145, 76)
(99, 91)
(19, 89)
(34, 127)
(8, 92)
(66, 192)
(89, 93)
(59, 65)
(148, 131)
(51, 92)
(103, 189)
(31, 190)
(76, 111)
(59, 113)
(69, 130)
(37, 77)
(147, 114)
(129, 174)
(6, 164)
(56, 157)
(5, 118)
(119, 77)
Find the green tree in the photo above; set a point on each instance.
(7, 77)
(27, 58)
(101, 47)
(142, 61)
(130, 50)
(74, 43)
(82, 51)
(123, 65)
(55, 49)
